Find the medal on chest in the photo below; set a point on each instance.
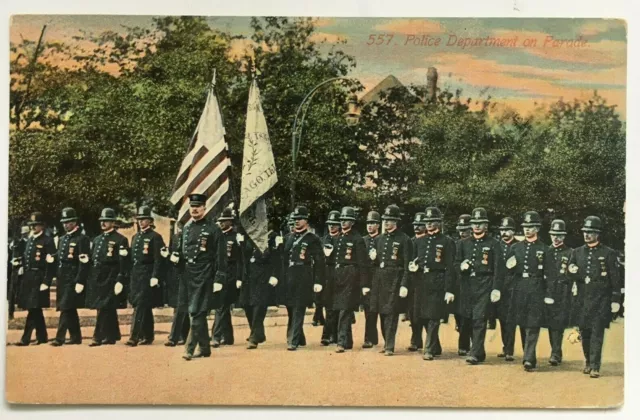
(110, 247)
(303, 251)
(203, 244)
(540, 257)
(38, 252)
(229, 248)
(72, 248)
(395, 250)
(563, 265)
(145, 246)
(349, 251)
(485, 255)
(438, 253)
(603, 266)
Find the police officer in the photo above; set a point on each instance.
(560, 286)
(175, 288)
(39, 268)
(392, 254)
(305, 266)
(532, 266)
(222, 331)
(108, 277)
(371, 318)
(16, 251)
(594, 266)
(420, 230)
(507, 331)
(146, 254)
(351, 276)
(433, 279)
(480, 269)
(330, 242)
(463, 324)
(73, 267)
(204, 252)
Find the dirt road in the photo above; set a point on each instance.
(313, 375)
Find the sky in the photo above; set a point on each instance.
(521, 63)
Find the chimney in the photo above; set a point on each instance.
(432, 84)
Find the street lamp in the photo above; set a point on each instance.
(351, 116)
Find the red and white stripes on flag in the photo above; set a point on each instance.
(204, 169)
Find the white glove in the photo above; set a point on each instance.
(164, 252)
(373, 254)
(403, 292)
(615, 307)
(511, 262)
(413, 266)
(573, 269)
(43, 287)
(464, 266)
(574, 289)
(622, 291)
(15, 262)
(317, 288)
(448, 297)
(279, 240)
(84, 258)
(21, 271)
(328, 249)
(238, 284)
(153, 282)
(239, 238)
(495, 295)
(174, 258)
(123, 251)
(79, 288)
(50, 258)
(117, 289)
(549, 301)
(217, 287)
(273, 281)
(365, 290)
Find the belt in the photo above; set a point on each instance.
(433, 270)
(338, 265)
(488, 273)
(529, 275)
(34, 269)
(383, 265)
(143, 263)
(292, 263)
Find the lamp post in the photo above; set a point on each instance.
(351, 116)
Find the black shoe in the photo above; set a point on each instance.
(412, 347)
(508, 358)
(472, 360)
(109, 342)
(291, 347)
(367, 345)
(382, 351)
(340, 349)
(553, 361)
(388, 353)
(181, 342)
(463, 352)
(145, 342)
(215, 344)
(131, 343)
(95, 344)
(199, 354)
(594, 374)
(38, 342)
(21, 344)
(170, 344)
(528, 367)
(73, 342)
(56, 343)
(187, 356)
(586, 370)
(315, 323)
(252, 346)
(427, 356)
(226, 343)
(324, 342)
(501, 355)
(491, 325)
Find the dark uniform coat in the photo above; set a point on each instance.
(109, 265)
(204, 255)
(305, 266)
(485, 274)
(558, 314)
(435, 256)
(39, 268)
(597, 272)
(533, 273)
(507, 285)
(393, 256)
(370, 244)
(351, 270)
(326, 296)
(17, 255)
(234, 266)
(258, 269)
(173, 276)
(71, 270)
(148, 263)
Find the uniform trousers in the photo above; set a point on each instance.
(107, 326)
(465, 330)
(180, 326)
(370, 326)
(295, 331)
(256, 323)
(344, 330)
(555, 339)
(592, 340)
(479, 332)
(222, 325)
(143, 324)
(530, 343)
(69, 321)
(330, 328)
(389, 327)
(199, 334)
(35, 321)
(432, 327)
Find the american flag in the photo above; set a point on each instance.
(204, 169)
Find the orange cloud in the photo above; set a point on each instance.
(601, 26)
(412, 26)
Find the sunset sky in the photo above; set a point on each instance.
(516, 75)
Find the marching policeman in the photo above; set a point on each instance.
(175, 288)
(433, 279)
(351, 276)
(146, 254)
(392, 254)
(420, 229)
(259, 287)
(73, 268)
(463, 324)
(507, 331)
(371, 318)
(480, 269)
(39, 268)
(17, 248)
(222, 331)
(560, 286)
(330, 242)
(204, 253)
(305, 267)
(594, 266)
(532, 266)
(108, 277)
